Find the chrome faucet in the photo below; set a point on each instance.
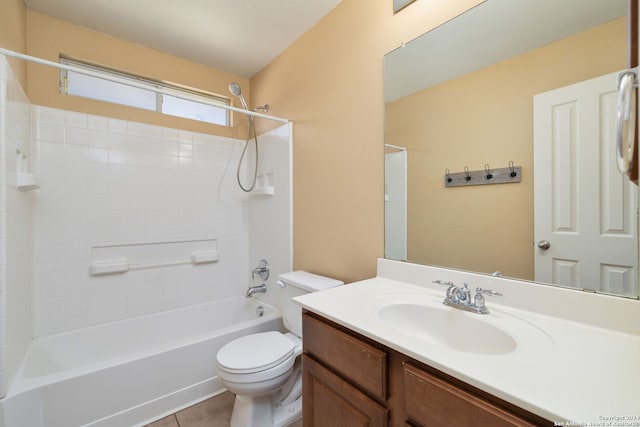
(262, 270)
(260, 289)
(460, 297)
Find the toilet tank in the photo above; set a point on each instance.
(298, 283)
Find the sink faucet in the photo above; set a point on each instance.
(260, 289)
(460, 297)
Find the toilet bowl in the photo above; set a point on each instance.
(263, 370)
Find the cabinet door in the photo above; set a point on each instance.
(431, 401)
(329, 401)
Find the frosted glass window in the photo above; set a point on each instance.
(192, 109)
(130, 90)
(104, 90)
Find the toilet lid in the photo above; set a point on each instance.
(255, 352)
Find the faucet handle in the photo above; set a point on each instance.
(489, 292)
(262, 270)
(478, 300)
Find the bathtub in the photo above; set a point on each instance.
(129, 372)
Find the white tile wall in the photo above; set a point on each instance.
(107, 181)
(113, 182)
(15, 251)
(270, 216)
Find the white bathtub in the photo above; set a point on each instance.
(129, 372)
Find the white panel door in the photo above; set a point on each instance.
(584, 208)
(395, 205)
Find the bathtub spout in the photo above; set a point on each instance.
(256, 290)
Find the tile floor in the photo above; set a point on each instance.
(214, 412)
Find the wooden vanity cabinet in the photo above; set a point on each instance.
(350, 380)
(344, 378)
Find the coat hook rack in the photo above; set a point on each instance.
(488, 176)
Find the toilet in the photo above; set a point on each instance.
(263, 370)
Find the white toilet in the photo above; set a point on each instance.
(263, 370)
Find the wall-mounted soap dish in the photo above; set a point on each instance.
(264, 191)
(27, 181)
(264, 185)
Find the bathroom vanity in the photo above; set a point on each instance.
(387, 352)
(338, 363)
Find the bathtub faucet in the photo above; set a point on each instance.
(262, 270)
(260, 289)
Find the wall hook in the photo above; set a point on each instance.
(486, 176)
(489, 175)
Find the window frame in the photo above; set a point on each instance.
(160, 88)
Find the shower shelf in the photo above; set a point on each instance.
(27, 181)
(121, 258)
(264, 191)
(264, 185)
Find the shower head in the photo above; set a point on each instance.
(235, 90)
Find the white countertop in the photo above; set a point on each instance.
(563, 369)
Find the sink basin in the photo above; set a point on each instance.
(447, 326)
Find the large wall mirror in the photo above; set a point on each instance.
(532, 82)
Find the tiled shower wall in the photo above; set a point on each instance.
(15, 260)
(270, 224)
(112, 182)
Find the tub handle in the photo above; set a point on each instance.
(262, 270)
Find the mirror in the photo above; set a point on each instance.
(496, 85)
(398, 5)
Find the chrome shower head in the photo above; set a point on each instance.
(235, 90)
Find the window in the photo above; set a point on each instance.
(113, 86)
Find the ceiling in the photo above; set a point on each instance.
(237, 36)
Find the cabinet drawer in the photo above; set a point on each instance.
(362, 363)
(430, 401)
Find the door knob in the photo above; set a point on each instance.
(544, 244)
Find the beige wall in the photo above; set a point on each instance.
(487, 228)
(13, 33)
(48, 38)
(329, 82)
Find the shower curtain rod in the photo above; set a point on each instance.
(36, 60)
(397, 147)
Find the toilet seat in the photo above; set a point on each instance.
(256, 353)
